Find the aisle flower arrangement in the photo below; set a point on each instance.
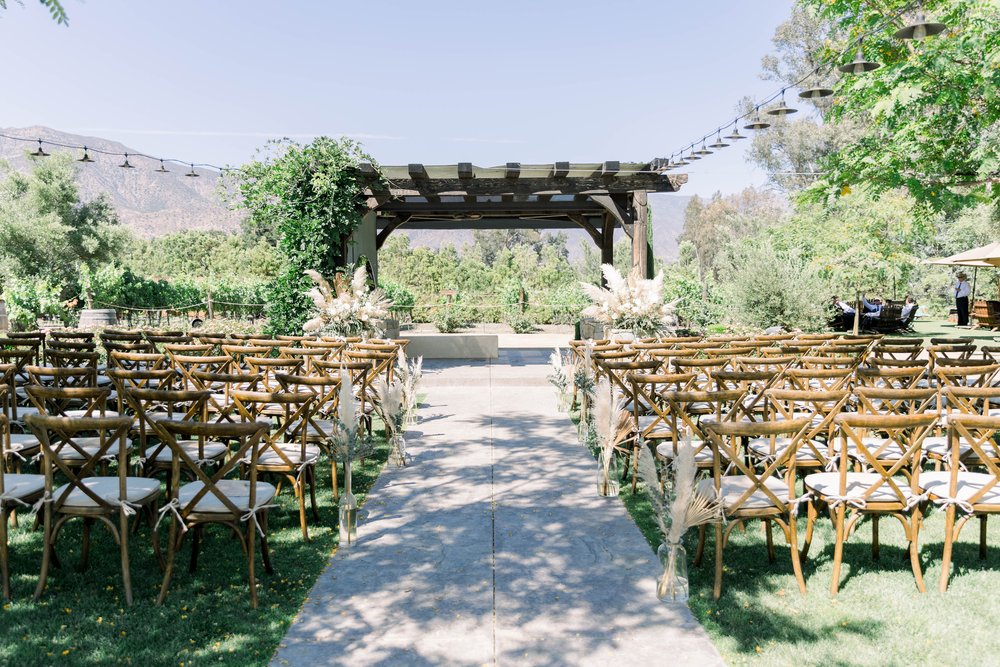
(348, 307)
(633, 304)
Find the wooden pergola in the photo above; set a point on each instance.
(595, 197)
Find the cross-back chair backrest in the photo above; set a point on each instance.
(8, 399)
(187, 365)
(891, 377)
(702, 368)
(221, 407)
(896, 402)
(140, 347)
(866, 439)
(331, 349)
(158, 339)
(847, 361)
(617, 372)
(752, 384)
(990, 353)
(62, 376)
(382, 360)
(121, 336)
(823, 379)
(687, 412)
(32, 340)
(19, 359)
(902, 351)
(268, 367)
(728, 457)
(152, 406)
(727, 352)
(969, 400)
(73, 359)
(975, 437)
(820, 407)
(56, 401)
(326, 389)
(136, 361)
(270, 344)
(239, 353)
(58, 435)
(72, 345)
(979, 375)
(949, 351)
(293, 413)
(188, 349)
(305, 354)
(646, 390)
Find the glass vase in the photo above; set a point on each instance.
(672, 586)
(397, 456)
(348, 519)
(564, 398)
(608, 474)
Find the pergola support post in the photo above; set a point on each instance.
(640, 234)
(607, 243)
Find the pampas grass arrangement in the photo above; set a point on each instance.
(409, 374)
(682, 507)
(390, 407)
(559, 377)
(612, 424)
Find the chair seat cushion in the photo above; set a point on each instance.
(734, 486)
(937, 446)
(95, 413)
(762, 447)
(891, 452)
(236, 490)
(212, 451)
(826, 484)
(23, 442)
(293, 450)
(22, 486)
(138, 490)
(665, 450)
(90, 446)
(969, 483)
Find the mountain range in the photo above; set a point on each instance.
(154, 204)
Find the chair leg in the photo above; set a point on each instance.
(769, 535)
(251, 558)
(333, 471)
(838, 550)
(915, 550)
(701, 545)
(875, 546)
(311, 473)
(717, 589)
(301, 493)
(793, 547)
(635, 467)
(123, 546)
(810, 524)
(4, 565)
(949, 537)
(982, 536)
(169, 570)
(46, 551)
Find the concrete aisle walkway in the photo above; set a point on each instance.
(493, 546)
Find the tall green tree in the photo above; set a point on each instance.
(309, 199)
(931, 112)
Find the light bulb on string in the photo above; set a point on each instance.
(126, 164)
(920, 28)
(719, 143)
(693, 154)
(735, 134)
(192, 173)
(41, 151)
(162, 169)
(86, 157)
(757, 123)
(816, 92)
(703, 150)
(781, 109)
(859, 65)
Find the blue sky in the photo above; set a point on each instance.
(433, 82)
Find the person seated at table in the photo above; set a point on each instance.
(845, 308)
(844, 313)
(909, 306)
(871, 308)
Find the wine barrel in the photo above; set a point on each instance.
(97, 318)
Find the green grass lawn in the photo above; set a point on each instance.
(206, 619)
(927, 329)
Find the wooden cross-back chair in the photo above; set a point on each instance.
(304, 354)
(141, 347)
(702, 368)
(727, 352)
(271, 344)
(221, 406)
(60, 376)
(321, 426)
(906, 377)
(820, 408)
(73, 359)
(241, 505)
(286, 450)
(684, 414)
(87, 336)
(159, 339)
(885, 487)
(16, 489)
(763, 363)
(239, 353)
(137, 361)
(173, 350)
(774, 338)
(698, 345)
(151, 406)
(15, 363)
(753, 384)
(849, 362)
(86, 494)
(72, 345)
(956, 401)
(906, 351)
(959, 373)
(666, 355)
(331, 349)
(751, 493)
(121, 336)
(360, 373)
(293, 338)
(990, 353)
(269, 367)
(728, 339)
(966, 494)
(123, 380)
(26, 340)
(943, 351)
(215, 340)
(822, 379)
(186, 365)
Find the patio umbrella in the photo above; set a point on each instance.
(987, 255)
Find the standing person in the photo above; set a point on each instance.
(962, 291)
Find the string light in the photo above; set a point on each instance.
(162, 169)
(40, 152)
(192, 173)
(125, 164)
(919, 29)
(86, 157)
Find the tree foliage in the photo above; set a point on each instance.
(931, 113)
(54, 7)
(307, 199)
